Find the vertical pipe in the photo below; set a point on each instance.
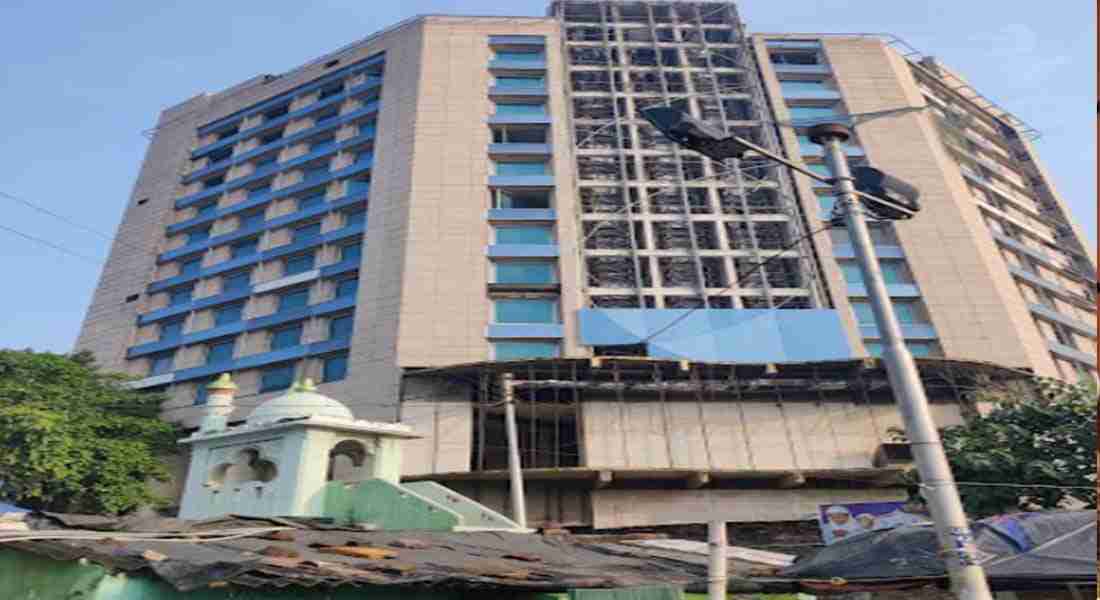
(717, 577)
(515, 473)
(956, 540)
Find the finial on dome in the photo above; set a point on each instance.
(305, 385)
(223, 382)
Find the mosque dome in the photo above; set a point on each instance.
(302, 401)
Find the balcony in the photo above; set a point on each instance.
(511, 149)
(522, 251)
(1071, 353)
(1046, 284)
(1068, 321)
(524, 330)
(263, 359)
(521, 180)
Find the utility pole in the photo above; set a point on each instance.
(515, 469)
(717, 565)
(956, 540)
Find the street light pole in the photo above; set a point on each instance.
(956, 540)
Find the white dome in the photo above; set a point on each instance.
(302, 401)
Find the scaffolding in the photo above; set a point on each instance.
(673, 220)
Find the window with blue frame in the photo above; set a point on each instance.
(295, 299)
(512, 82)
(229, 313)
(244, 248)
(521, 199)
(236, 282)
(171, 330)
(339, 328)
(525, 272)
(525, 310)
(347, 287)
(315, 173)
(368, 129)
(307, 231)
(521, 168)
(358, 186)
(255, 219)
(909, 312)
(795, 58)
(355, 217)
(524, 234)
(325, 117)
(820, 169)
(220, 352)
(895, 272)
(864, 314)
(321, 143)
(190, 267)
(259, 190)
(201, 393)
(806, 146)
(520, 109)
(159, 364)
(277, 377)
(351, 252)
(852, 272)
(198, 235)
(331, 90)
(814, 112)
(181, 295)
(287, 337)
(802, 88)
(264, 161)
(826, 203)
(312, 201)
(335, 368)
(213, 182)
(298, 264)
(206, 209)
(916, 348)
(277, 112)
(271, 137)
(519, 350)
(519, 56)
(219, 155)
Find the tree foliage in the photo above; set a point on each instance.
(1043, 434)
(73, 439)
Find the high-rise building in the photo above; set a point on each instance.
(460, 211)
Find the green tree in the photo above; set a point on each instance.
(74, 439)
(1043, 433)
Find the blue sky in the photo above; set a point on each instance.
(82, 81)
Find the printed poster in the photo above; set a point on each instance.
(844, 521)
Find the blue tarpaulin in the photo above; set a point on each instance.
(11, 508)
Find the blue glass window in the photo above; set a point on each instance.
(258, 191)
(278, 377)
(325, 117)
(198, 235)
(873, 348)
(355, 217)
(820, 169)
(339, 328)
(335, 368)
(191, 267)
(170, 330)
(279, 111)
(331, 90)
(517, 109)
(179, 296)
(522, 168)
(295, 299)
(358, 186)
(520, 82)
(219, 155)
(528, 234)
(522, 199)
(346, 287)
(520, 56)
(201, 393)
(315, 173)
(525, 310)
(921, 348)
(522, 350)
(852, 272)
(908, 312)
(206, 209)
(236, 282)
(367, 129)
(159, 364)
(351, 252)
(220, 352)
(814, 112)
(524, 272)
(271, 137)
(803, 87)
(322, 143)
(213, 182)
(312, 201)
(307, 231)
(230, 313)
(255, 219)
(287, 337)
(264, 161)
(298, 264)
(244, 248)
(895, 272)
(807, 147)
(826, 203)
(864, 314)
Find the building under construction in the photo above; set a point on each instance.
(682, 337)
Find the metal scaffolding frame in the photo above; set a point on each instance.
(653, 217)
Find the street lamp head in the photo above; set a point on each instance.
(874, 182)
(694, 134)
(820, 134)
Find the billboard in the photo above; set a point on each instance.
(843, 521)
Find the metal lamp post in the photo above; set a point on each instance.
(887, 198)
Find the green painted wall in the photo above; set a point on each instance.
(386, 505)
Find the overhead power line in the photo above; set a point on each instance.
(57, 247)
(70, 221)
